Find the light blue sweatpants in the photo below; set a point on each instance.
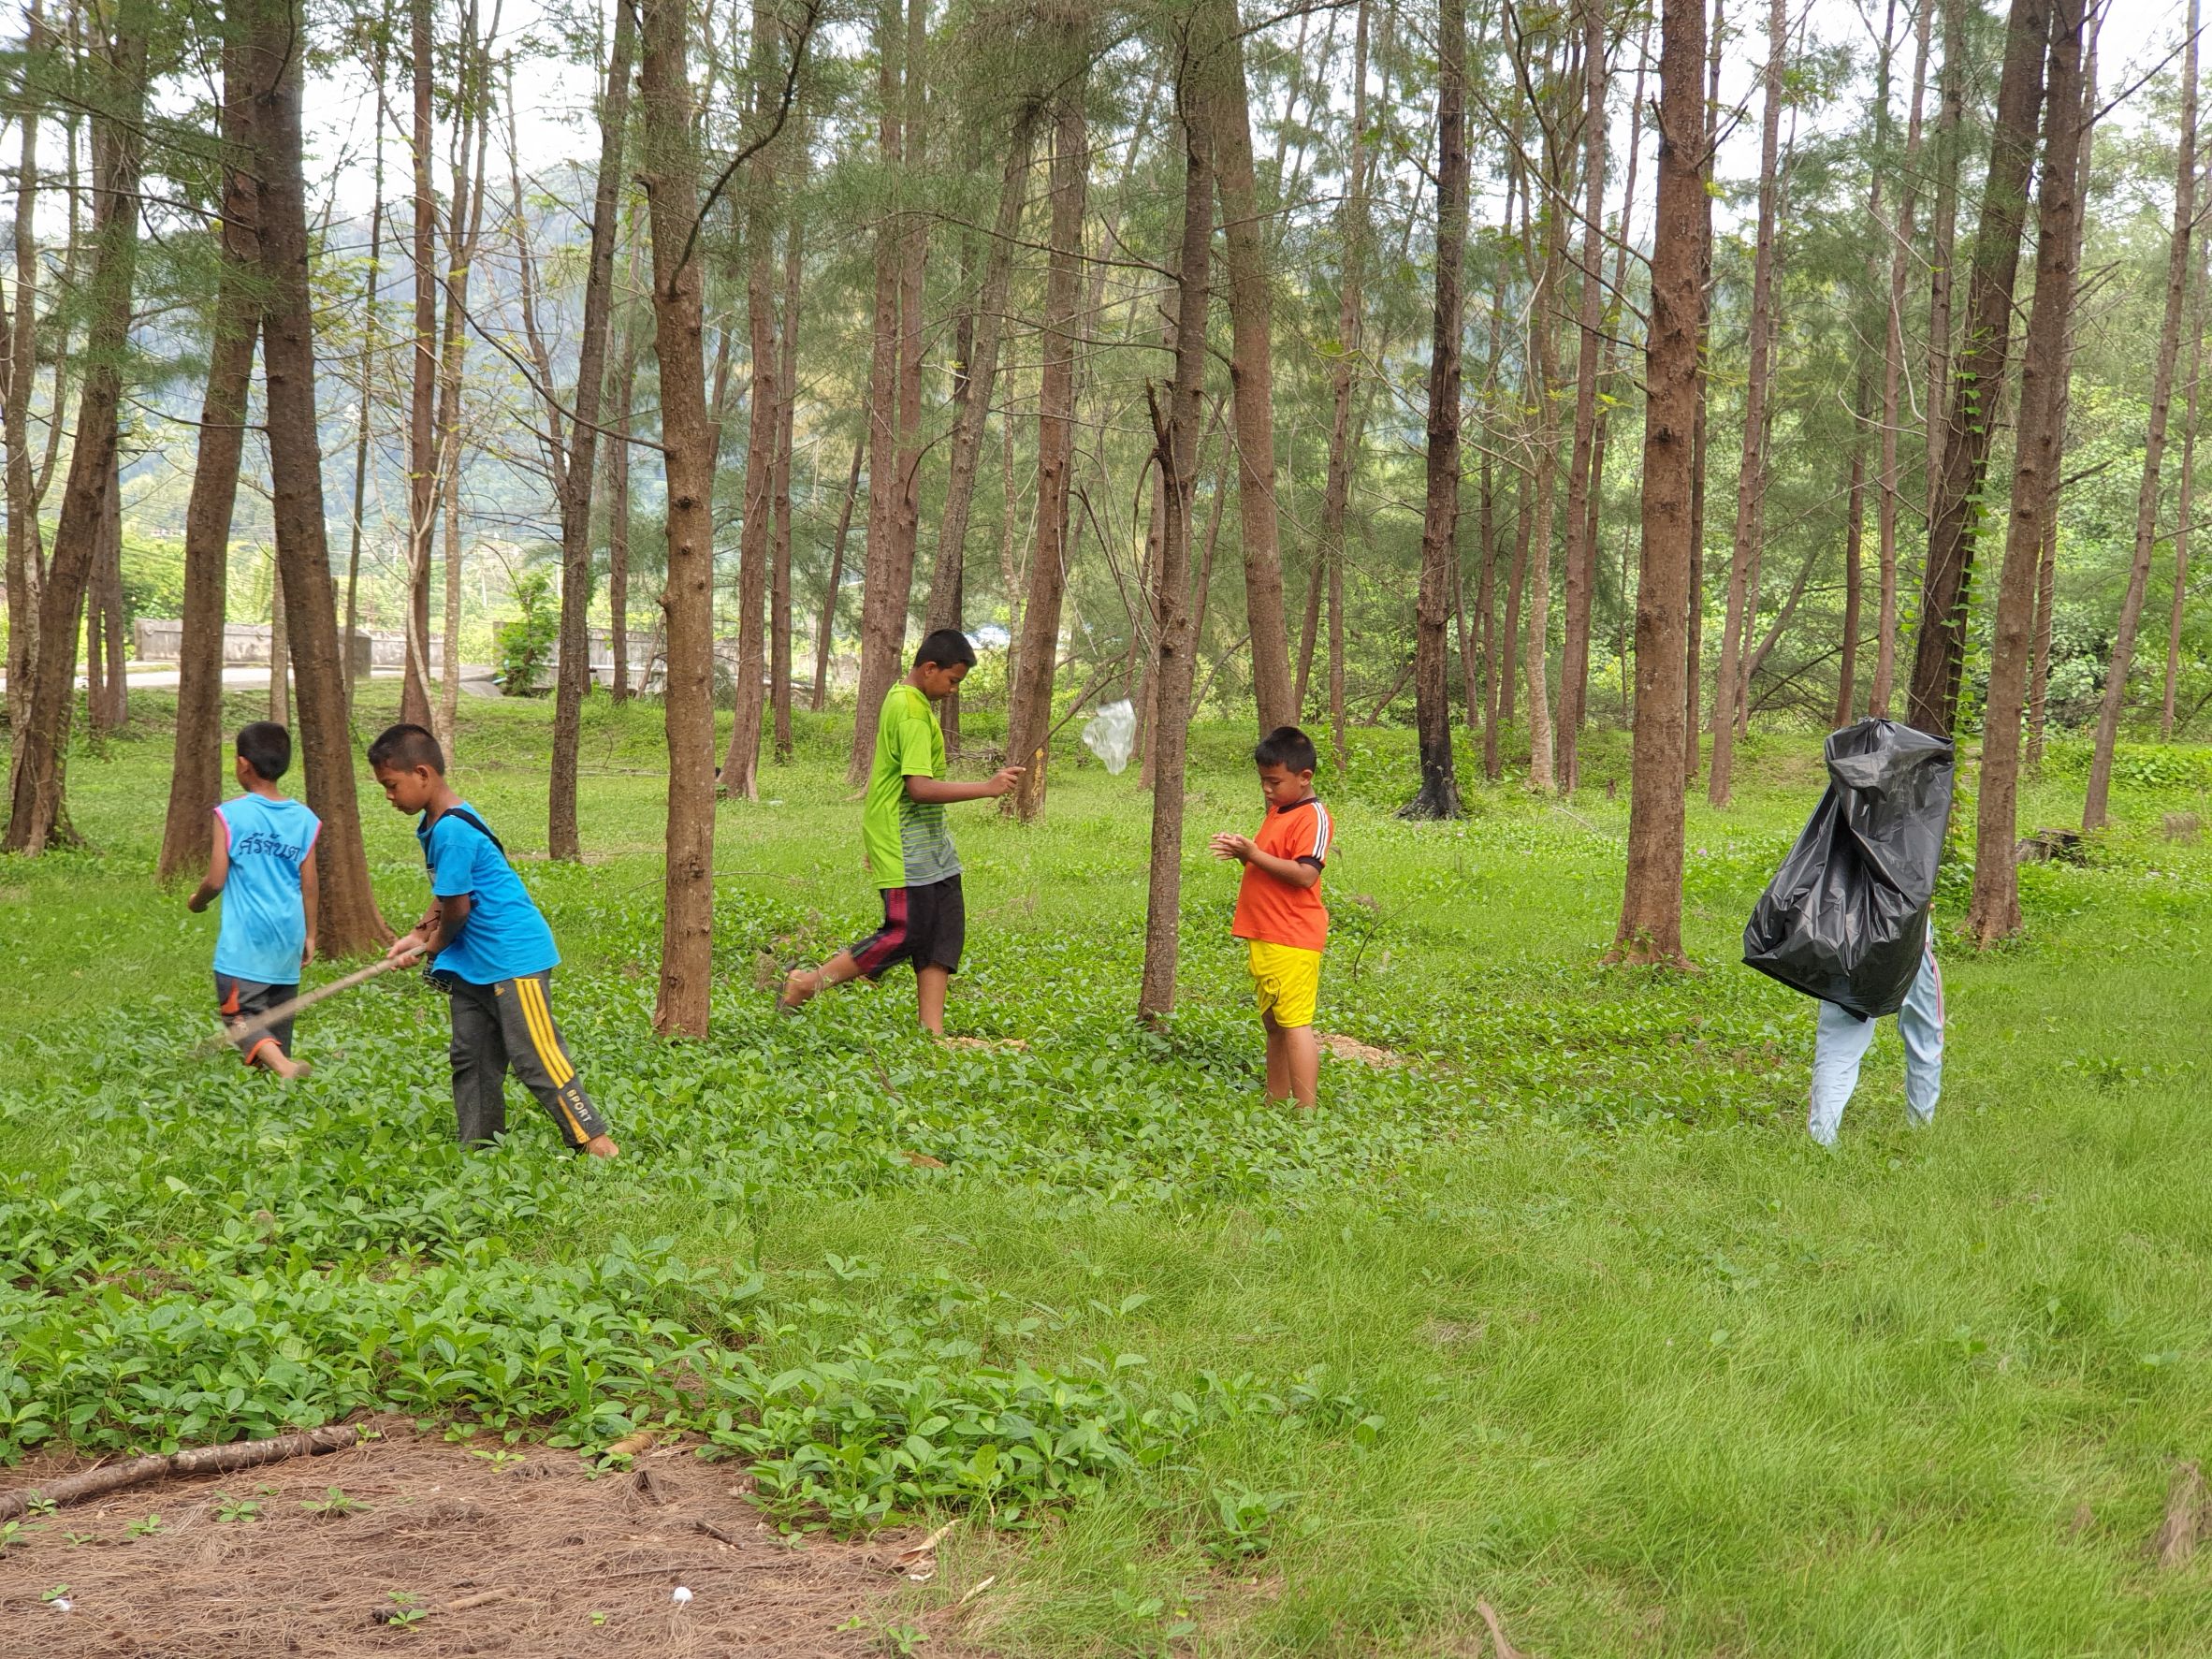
(1844, 1039)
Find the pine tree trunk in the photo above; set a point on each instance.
(1486, 610)
(348, 921)
(1893, 369)
(2179, 267)
(422, 457)
(105, 696)
(1336, 489)
(26, 561)
(1995, 912)
(1175, 434)
(672, 196)
(1516, 580)
(1855, 524)
(464, 235)
(1582, 527)
(38, 810)
(622, 403)
(578, 466)
(1701, 430)
(2046, 579)
(1439, 793)
(195, 777)
(1978, 375)
(741, 762)
(1251, 374)
(279, 652)
(1650, 928)
(1943, 234)
(364, 390)
(2183, 508)
(882, 623)
(827, 622)
(787, 381)
(1750, 484)
(1029, 712)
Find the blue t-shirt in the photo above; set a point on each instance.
(505, 937)
(264, 926)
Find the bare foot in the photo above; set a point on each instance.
(282, 1064)
(602, 1146)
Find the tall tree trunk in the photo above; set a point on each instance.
(741, 762)
(2047, 579)
(195, 777)
(1175, 436)
(280, 651)
(422, 459)
(106, 696)
(1701, 430)
(1977, 376)
(827, 623)
(787, 382)
(365, 389)
(621, 401)
(1893, 369)
(1029, 714)
(1486, 612)
(883, 615)
(1515, 580)
(974, 379)
(26, 560)
(1251, 373)
(1439, 793)
(2179, 267)
(1944, 232)
(1854, 523)
(348, 921)
(2183, 508)
(1750, 484)
(672, 197)
(576, 465)
(1650, 928)
(1336, 489)
(39, 811)
(1581, 530)
(464, 229)
(1995, 912)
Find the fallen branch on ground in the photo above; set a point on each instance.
(200, 1459)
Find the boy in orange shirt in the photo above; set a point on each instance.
(1280, 916)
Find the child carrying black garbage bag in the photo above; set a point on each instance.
(1845, 919)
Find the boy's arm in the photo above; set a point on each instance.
(1296, 872)
(310, 891)
(211, 883)
(439, 926)
(939, 789)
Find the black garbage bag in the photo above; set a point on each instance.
(1845, 917)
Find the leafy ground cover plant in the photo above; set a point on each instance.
(1560, 1312)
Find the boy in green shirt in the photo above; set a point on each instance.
(910, 852)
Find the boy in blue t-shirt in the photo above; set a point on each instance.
(262, 864)
(490, 948)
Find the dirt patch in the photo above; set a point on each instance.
(1351, 1048)
(1013, 1044)
(521, 1553)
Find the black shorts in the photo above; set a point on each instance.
(924, 925)
(238, 1000)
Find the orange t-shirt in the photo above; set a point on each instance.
(1269, 909)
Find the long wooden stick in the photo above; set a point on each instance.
(200, 1459)
(260, 1023)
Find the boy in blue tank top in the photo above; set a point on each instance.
(263, 864)
(490, 952)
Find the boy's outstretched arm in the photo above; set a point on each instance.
(211, 883)
(439, 926)
(938, 789)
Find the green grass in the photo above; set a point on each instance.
(1565, 1314)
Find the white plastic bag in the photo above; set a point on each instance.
(1111, 734)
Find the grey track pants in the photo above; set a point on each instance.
(510, 1024)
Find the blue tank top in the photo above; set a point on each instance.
(264, 923)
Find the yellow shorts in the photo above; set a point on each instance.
(1286, 979)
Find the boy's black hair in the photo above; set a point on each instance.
(947, 647)
(404, 747)
(1288, 747)
(266, 747)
